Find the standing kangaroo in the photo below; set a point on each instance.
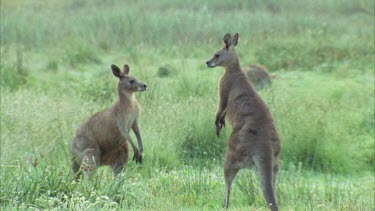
(103, 138)
(254, 140)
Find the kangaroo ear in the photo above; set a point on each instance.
(116, 71)
(126, 69)
(235, 39)
(227, 41)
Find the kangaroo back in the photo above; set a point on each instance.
(258, 76)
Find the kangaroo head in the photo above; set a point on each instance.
(127, 84)
(226, 56)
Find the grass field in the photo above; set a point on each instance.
(55, 72)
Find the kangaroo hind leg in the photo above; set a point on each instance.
(119, 159)
(230, 168)
(90, 161)
(230, 173)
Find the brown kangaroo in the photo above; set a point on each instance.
(254, 140)
(103, 138)
(258, 76)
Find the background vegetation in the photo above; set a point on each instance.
(55, 72)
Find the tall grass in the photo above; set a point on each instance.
(50, 186)
(55, 59)
(322, 35)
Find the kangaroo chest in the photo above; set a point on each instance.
(130, 115)
(238, 98)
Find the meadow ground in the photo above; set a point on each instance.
(55, 72)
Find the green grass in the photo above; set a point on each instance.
(55, 72)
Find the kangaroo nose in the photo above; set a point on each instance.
(207, 63)
(144, 85)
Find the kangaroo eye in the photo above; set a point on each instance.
(131, 81)
(217, 55)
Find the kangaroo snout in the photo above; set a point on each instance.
(208, 63)
(143, 87)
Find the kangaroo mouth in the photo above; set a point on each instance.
(209, 65)
(140, 89)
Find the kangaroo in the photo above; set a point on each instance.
(258, 76)
(254, 140)
(103, 138)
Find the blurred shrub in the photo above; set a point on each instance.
(52, 66)
(14, 75)
(165, 71)
(12, 78)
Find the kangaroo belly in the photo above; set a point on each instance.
(110, 149)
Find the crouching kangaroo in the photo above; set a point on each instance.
(103, 138)
(254, 140)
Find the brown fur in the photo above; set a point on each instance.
(258, 76)
(103, 138)
(254, 140)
